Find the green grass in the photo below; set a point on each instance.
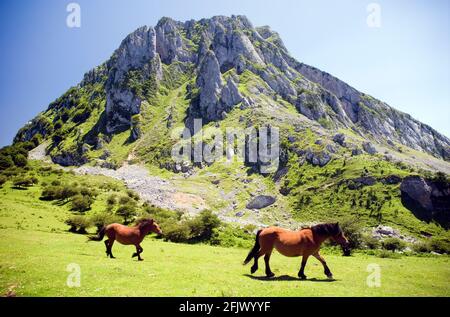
(35, 250)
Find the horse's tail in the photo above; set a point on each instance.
(253, 252)
(99, 236)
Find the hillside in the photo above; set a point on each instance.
(343, 152)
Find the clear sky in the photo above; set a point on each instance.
(405, 62)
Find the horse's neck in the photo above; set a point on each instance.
(144, 229)
(319, 239)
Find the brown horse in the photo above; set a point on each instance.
(305, 242)
(127, 235)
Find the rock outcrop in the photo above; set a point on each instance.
(429, 200)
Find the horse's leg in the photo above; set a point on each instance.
(107, 247)
(301, 273)
(324, 263)
(254, 267)
(111, 242)
(269, 272)
(138, 252)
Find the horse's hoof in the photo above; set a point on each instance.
(330, 276)
(134, 255)
(302, 277)
(140, 259)
(271, 274)
(253, 269)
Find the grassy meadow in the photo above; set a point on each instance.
(36, 249)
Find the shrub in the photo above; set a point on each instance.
(132, 194)
(387, 254)
(78, 224)
(3, 180)
(370, 242)
(125, 200)
(421, 247)
(177, 232)
(393, 244)
(25, 181)
(203, 225)
(5, 162)
(20, 160)
(228, 236)
(127, 211)
(86, 191)
(56, 182)
(440, 245)
(67, 192)
(81, 203)
(103, 219)
(352, 229)
(200, 228)
(51, 193)
(111, 200)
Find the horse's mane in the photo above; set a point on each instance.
(143, 221)
(323, 229)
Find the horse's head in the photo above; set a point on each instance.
(150, 226)
(155, 228)
(340, 238)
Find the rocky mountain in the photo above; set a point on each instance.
(228, 72)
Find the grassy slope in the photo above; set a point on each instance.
(35, 250)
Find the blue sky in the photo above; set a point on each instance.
(405, 62)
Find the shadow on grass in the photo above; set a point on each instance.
(288, 278)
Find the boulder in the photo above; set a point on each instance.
(260, 202)
(369, 148)
(339, 139)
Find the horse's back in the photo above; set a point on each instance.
(287, 242)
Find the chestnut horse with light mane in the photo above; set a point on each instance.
(304, 242)
(127, 235)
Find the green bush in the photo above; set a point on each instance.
(177, 232)
(111, 200)
(5, 162)
(51, 193)
(387, 254)
(440, 245)
(393, 244)
(370, 242)
(229, 236)
(198, 229)
(103, 219)
(133, 195)
(127, 211)
(81, 203)
(20, 160)
(203, 225)
(125, 200)
(353, 231)
(67, 192)
(56, 182)
(78, 224)
(421, 247)
(25, 181)
(3, 180)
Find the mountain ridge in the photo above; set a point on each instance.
(235, 44)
